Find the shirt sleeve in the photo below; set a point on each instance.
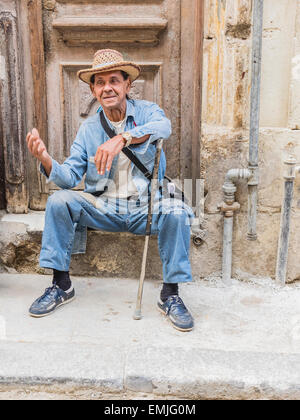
(70, 173)
(155, 123)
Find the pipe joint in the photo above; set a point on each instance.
(199, 236)
(254, 175)
(229, 209)
(234, 175)
(290, 168)
(229, 189)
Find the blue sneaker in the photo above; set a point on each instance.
(178, 314)
(50, 300)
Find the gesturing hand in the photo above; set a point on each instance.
(37, 148)
(106, 153)
(36, 145)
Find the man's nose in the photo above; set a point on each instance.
(107, 86)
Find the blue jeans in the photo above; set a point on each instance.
(66, 209)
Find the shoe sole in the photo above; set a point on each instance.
(173, 325)
(51, 312)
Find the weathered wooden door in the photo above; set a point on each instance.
(163, 36)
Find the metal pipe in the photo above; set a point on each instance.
(229, 207)
(227, 250)
(254, 116)
(252, 204)
(283, 243)
(251, 174)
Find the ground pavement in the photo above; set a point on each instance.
(246, 341)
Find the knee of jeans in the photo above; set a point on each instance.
(178, 215)
(59, 199)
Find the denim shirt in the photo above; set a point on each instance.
(142, 118)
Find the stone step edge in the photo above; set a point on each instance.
(220, 375)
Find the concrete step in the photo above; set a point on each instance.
(246, 341)
(108, 254)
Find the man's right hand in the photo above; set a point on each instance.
(37, 148)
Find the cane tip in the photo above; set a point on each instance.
(137, 314)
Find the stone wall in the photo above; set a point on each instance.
(225, 127)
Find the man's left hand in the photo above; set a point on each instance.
(107, 152)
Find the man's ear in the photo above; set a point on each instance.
(128, 86)
(92, 89)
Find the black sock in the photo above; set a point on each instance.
(62, 279)
(167, 290)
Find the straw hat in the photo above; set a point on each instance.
(109, 60)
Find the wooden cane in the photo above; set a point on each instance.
(154, 187)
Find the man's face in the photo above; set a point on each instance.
(110, 89)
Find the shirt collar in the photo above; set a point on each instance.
(130, 110)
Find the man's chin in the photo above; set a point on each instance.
(110, 104)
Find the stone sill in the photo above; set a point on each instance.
(34, 222)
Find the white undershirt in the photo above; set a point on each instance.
(123, 185)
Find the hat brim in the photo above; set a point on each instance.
(132, 69)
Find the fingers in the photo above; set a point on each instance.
(102, 163)
(39, 147)
(35, 144)
(106, 152)
(98, 156)
(30, 141)
(109, 163)
(35, 147)
(100, 160)
(35, 133)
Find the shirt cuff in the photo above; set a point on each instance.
(51, 177)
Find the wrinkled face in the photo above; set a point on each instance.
(110, 89)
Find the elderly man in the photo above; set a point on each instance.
(112, 184)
